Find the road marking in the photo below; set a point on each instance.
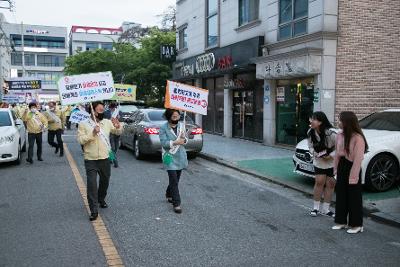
(110, 251)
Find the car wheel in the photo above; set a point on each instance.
(136, 149)
(18, 160)
(382, 173)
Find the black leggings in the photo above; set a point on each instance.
(173, 189)
(348, 197)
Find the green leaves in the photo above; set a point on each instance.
(141, 66)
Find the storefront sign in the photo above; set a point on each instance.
(125, 92)
(86, 88)
(225, 63)
(187, 70)
(316, 96)
(205, 63)
(280, 94)
(289, 67)
(25, 85)
(234, 84)
(186, 97)
(168, 52)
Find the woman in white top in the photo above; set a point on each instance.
(321, 142)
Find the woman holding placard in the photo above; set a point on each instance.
(173, 138)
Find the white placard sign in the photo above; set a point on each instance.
(86, 88)
(186, 97)
(79, 116)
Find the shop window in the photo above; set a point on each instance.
(91, 46)
(293, 18)
(248, 11)
(212, 23)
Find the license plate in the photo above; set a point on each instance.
(306, 167)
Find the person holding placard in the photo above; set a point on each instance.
(173, 138)
(36, 124)
(94, 136)
(56, 120)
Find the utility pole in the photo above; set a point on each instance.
(23, 49)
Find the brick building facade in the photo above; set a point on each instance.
(368, 56)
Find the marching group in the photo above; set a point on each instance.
(337, 156)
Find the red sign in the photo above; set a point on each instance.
(225, 63)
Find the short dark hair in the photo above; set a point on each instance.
(169, 112)
(112, 105)
(32, 104)
(52, 102)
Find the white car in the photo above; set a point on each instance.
(380, 168)
(12, 137)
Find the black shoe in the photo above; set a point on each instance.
(40, 159)
(178, 209)
(103, 205)
(115, 164)
(30, 161)
(57, 149)
(61, 154)
(169, 200)
(93, 216)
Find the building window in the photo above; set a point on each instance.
(79, 49)
(91, 46)
(248, 11)
(212, 23)
(183, 38)
(50, 61)
(293, 18)
(106, 46)
(38, 41)
(16, 59)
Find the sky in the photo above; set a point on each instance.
(100, 13)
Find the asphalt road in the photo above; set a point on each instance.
(229, 219)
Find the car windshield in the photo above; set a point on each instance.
(159, 116)
(5, 119)
(128, 108)
(388, 121)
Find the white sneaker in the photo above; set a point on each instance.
(339, 227)
(355, 230)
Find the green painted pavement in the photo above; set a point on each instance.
(282, 169)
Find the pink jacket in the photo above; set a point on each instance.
(356, 155)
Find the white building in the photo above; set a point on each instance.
(268, 64)
(45, 50)
(87, 38)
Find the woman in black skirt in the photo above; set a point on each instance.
(351, 146)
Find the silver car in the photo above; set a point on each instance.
(141, 133)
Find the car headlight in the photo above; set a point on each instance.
(8, 139)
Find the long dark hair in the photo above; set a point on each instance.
(350, 127)
(320, 145)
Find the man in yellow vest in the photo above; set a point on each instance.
(56, 120)
(36, 124)
(95, 138)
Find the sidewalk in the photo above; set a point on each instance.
(275, 165)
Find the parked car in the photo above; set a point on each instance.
(12, 137)
(141, 133)
(380, 168)
(127, 108)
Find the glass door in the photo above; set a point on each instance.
(294, 107)
(244, 123)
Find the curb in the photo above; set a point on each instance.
(369, 210)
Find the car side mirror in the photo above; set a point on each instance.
(18, 122)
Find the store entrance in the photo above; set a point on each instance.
(295, 105)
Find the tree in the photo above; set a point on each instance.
(168, 18)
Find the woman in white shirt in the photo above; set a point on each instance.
(321, 142)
